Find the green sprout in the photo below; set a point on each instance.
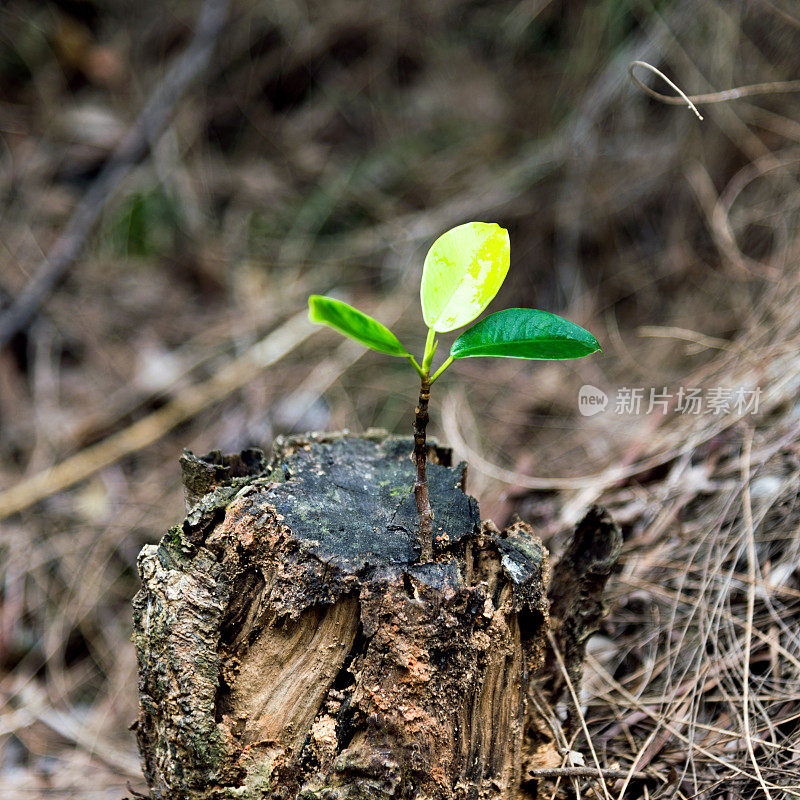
(463, 271)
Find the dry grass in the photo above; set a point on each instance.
(328, 147)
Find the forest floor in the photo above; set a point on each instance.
(322, 150)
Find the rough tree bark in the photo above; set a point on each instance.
(290, 645)
(576, 599)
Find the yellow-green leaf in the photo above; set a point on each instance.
(463, 272)
(525, 333)
(355, 324)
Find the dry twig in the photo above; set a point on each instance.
(149, 429)
(128, 153)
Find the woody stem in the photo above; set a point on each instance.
(421, 482)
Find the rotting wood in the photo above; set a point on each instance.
(576, 596)
(290, 645)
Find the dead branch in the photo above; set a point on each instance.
(130, 151)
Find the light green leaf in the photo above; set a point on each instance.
(463, 272)
(525, 333)
(355, 324)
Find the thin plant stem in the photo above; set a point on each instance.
(661, 75)
(417, 367)
(430, 349)
(442, 368)
(421, 483)
(773, 87)
(421, 494)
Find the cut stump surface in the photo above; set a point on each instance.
(290, 646)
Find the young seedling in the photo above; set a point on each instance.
(463, 272)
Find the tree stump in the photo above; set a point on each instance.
(290, 645)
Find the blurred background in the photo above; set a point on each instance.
(321, 148)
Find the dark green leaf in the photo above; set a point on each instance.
(524, 333)
(355, 324)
